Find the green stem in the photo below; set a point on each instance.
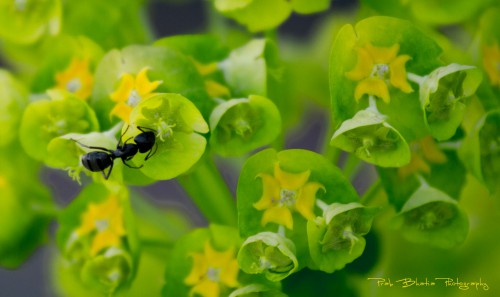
(210, 192)
(372, 192)
(330, 152)
(352, 166)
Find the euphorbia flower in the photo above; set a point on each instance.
(211, 270)
(106, 219)
(130, 91)
(375, 68)
(424, 152)
(76, 78)
(491, 63)
(285, 192)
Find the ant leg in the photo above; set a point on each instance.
(151, 153)
(92, 147)
(120, 140)
(106, 176)
(130, 166)
(148, 129)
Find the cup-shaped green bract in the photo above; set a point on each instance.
(98, 239)
(257, 290)
(171, 70)
(307, 7)
(336, 238)
(282, 188)
(25, 22)
(177, 125)
(204, 259)
(442, 95)
(13, 100)
(256, 15)
(45, 119)
(372, 139)
(431, 217)
(239, 126)
(480, 151)
(24, 225)
(123, 25)
(357, 73)
(270, 254)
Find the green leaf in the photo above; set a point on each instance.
(270, 254)
(308, 6)
(13, 100)
(176, 72)
(203, 48)
(177, 124)
(256, 15)
(25, 22)
(45, 119)
(239, 126)
(432, 217)
(336, 238)
(442, 95)
(372, 139)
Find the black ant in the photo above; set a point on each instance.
(100, 160)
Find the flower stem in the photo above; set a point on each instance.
(210, 192)
(372, 192)
(415, 78)
(352, 166)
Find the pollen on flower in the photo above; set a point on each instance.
(76, 78)
(284, 193)
(131, 90)
(378, 67)
(212, 270)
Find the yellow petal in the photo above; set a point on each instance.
(229, 275)
(143, 85)
(306, 199)
(103, 240)
(205, 69)
(417, 164)
(215, 89)
(206, 288)
(363, 67)
(122, 111)
(432, 152)
(123, 91)
(270, 192)
(198, 271)
(382, 55)
(372, 86)
(278, 215)
(290, 181)
(398, 74)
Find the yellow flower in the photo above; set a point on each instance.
(424, 152)
(285, 192)
(375, 68)
(214, 89)
(76, 78)
(211, 270)
(491, 63)
(130, 92)
(106, 219)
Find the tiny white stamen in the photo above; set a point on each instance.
(74, 85)
(101, 225)
(287, 197)
(133, 98)
(264, 263)
(213, 274)
(380, 71)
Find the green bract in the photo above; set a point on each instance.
(442, 95)
(480, 151)
(202, 48)
(239, 126)
(26, 21)
(270, 254)
(177, 124)
(372, 139)
(432, 217)
(88, 223)
(332, 187)
(257, 290)
(175, 71)
(13, 100)
(45, 119)
(308, 6)
(336, 238)
(404, 111)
